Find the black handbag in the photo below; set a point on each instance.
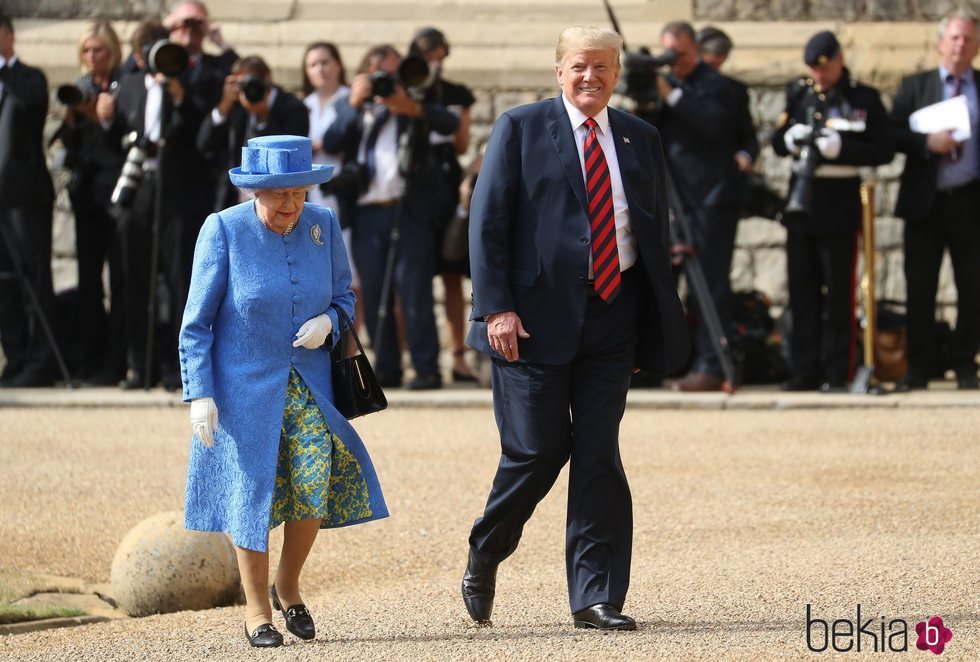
(356, 391)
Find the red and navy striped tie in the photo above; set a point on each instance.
(602, 216)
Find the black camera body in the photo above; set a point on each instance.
(413, 73)
(640, 71)
(254, 88)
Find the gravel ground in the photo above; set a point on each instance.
(742, 519)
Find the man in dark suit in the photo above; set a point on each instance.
(821, 241)
(369, 131)
(154, 108)
(26, 199)
(251, 106)
(940, 202)
(715, 49)
(697, 118)
(572, 291)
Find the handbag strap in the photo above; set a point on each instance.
(345, 321)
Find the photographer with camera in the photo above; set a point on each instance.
(832, 125)
(26, 199)
(696, 115)
(382, 129)
(159, 111)
(97, 349)
(251, 106)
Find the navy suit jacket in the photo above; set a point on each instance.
(530, 236)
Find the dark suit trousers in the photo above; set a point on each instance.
(952, 224)
(552, 414)
(25, 346)
(821, 284)
(412, 282)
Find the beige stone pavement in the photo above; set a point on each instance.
(743, 517)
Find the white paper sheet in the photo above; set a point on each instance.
(949, 115)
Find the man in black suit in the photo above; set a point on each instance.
(251, 105)
(940, 202)
(697, 116)
(154, 108)
(821, 241)
(572, 291)
(26, 199)
(369, 132)
(715, 49)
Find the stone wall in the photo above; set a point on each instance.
(817, 10)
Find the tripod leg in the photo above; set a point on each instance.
(36, 303)
(386, 281)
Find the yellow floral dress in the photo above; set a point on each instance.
(316, 476)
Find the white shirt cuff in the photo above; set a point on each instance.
(217, 117)
(674, 96)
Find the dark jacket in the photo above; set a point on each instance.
(746, 139)
(223, 142)
(24, 177)
(530, 230)
(918, 190)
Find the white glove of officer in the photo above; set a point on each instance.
(314, 332)
(829, 143)
(797, 132)
(204, 420)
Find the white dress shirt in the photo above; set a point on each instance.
(625, 241)
(386, 185)
(322, 115)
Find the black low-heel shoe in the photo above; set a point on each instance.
(298, 618)
(264, 636)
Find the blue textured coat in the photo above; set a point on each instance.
(251, 289)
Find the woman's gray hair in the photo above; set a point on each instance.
(958, 14)
(587, 38)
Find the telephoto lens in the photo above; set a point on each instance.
(254, 88)
(132, 172)
(382, 84)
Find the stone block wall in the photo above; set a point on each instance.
(817, 10)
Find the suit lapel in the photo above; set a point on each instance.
(560, 129)
(628, 163)
(934, 88)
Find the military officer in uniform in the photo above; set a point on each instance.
(846, 124)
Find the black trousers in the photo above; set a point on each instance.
(954, 225)
(26, 249)
(821, 301)
(552, 414)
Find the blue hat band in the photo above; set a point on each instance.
(275, 161)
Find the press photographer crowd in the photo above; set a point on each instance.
(150, 133)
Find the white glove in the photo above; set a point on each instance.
(204, 420)
(797, 132)
(314, 332)
(829, 143)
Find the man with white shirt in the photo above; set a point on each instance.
(572, 291)
(26, 198)
(940, 202)
(368, 131)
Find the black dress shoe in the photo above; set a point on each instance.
(479, 587)
(603, 617)
(298, 618)
(967, 382)
(428, 382)
(264, 636)
(798, 384)
(911, 382)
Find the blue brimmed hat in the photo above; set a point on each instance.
(279, 162)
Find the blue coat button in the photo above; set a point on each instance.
(294, 279)
(290, 260)
(296, 298)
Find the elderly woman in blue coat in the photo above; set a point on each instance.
(261, 317)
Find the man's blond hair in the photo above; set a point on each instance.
(580, 38)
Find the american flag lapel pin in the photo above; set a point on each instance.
(626, 140)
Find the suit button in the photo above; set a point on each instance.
(584, 239)
(294, 279)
